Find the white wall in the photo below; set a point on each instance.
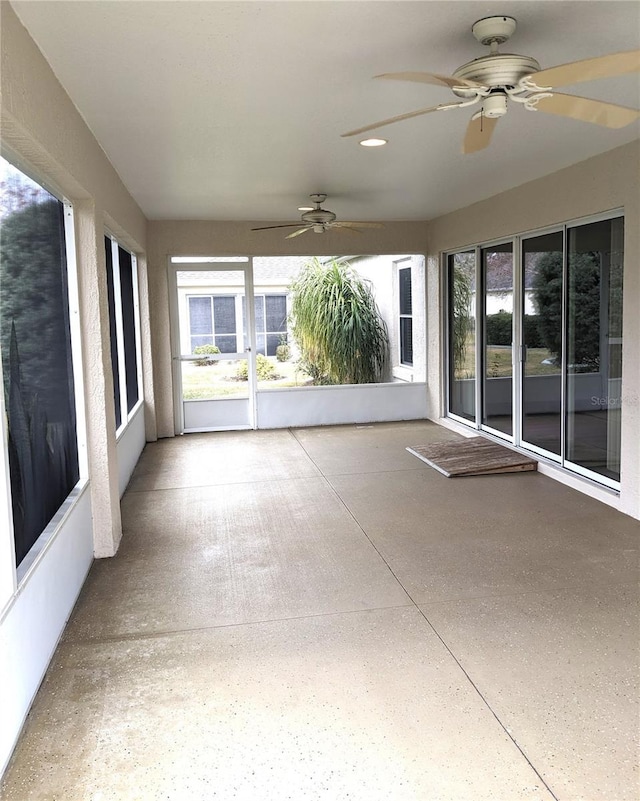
(33, 620)
(129, 447)
(382, 271)
(323, 406)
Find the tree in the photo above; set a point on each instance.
(33, 298)
(36, 356)
(583, 346)
(462, 298)
(337, 325)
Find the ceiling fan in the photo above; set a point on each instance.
(497, 78)
(320, 220)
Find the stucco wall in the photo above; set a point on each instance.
(43, 134)
(167, 238)
(606, 182)
(40, 123)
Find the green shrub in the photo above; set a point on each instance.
(499, 329)
(283, 352)
(532, 336)
(206, 350)
(337, 325)
(264, 370)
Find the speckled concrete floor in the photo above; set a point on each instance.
(316, 614)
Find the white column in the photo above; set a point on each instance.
(100, 406)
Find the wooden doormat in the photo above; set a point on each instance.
(473, 456)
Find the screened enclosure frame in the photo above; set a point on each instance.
(120, 334)
(38, 547)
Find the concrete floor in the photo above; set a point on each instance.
(317, 614)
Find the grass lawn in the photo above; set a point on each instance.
(499, 363)
(219, 380)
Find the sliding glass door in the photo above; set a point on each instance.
(539, 319)
(594, 347)
(541, 352)
(462, 334)
(497, 383)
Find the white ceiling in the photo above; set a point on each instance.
(234, 110)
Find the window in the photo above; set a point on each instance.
(122, 293)
(212, 321)
(406, 319)
(270, 322)
(37, 358)
(113, 333)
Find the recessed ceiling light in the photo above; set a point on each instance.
(305, 208)
(373, 142)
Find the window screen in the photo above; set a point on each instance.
(128, 326)
(35, 341)
(113, 331)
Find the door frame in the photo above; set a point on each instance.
(242, 264)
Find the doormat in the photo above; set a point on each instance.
(473, 456)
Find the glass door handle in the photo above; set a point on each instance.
(523, 353)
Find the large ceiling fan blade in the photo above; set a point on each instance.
(348, 228)
(430, 77)
(588, 70)
(479, 133)
(300, 231)
(582, 108)
(354, 225)
(268, 227)
(407, 116)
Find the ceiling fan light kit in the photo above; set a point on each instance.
(497, 78)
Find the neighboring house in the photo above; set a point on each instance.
(213, 312)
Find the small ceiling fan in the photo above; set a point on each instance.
(497, 78)
(320, 220)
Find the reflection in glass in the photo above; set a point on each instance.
(542, 341)
(594, 346)
(36, 355)
(497, 272)
(462, 335)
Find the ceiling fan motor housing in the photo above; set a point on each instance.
(495, 71)
(318, 217)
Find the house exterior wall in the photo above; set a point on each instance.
(382, 271)
(606, 182)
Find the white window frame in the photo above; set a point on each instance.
(12, 576)
(125, 414)
(404, 316)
